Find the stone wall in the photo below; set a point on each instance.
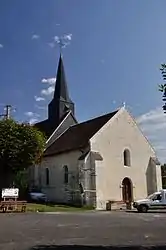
(120, 133)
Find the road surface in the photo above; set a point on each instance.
(116, 229)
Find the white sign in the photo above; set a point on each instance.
(10, 192)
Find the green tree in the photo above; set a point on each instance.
(163, 174)
(21, 145)
(162, 87)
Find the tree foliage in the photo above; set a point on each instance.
(162, 87)
(21, 145)
(163, 174)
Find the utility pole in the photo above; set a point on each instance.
(7, 113)
(8, 110)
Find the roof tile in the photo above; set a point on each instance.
(77, 136)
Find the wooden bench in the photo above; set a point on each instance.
(13, 205)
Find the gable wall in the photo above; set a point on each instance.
(119, 133)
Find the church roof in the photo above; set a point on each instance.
(45, 127)
(78, 136)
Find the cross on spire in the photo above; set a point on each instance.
(61, 44)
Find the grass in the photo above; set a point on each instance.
(33, 207)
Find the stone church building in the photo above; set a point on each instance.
(103, 159)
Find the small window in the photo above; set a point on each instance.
(47, 177)
(157, 197)
(127, 158)
(66, 175)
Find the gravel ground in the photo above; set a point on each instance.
(65, 230)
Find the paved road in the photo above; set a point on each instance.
(40, 231)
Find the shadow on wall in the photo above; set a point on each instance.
(151, 180)
(86, 247)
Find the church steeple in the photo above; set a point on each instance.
(60, 106)
(61, 102)
(61, 89)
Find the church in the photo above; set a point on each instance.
(101, 160)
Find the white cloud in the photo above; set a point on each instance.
(64, 40)
(39, 98)
(29, 113)
(50, 81)
(50, 89)
(41, 107)
(1, 46)
(152, 116)
(68, 37)
(33, 117)
(47, 91)
(35, 37)
(33, 120)
(153, 125)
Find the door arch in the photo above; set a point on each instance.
(127, 190)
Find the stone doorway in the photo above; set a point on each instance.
(127, 190)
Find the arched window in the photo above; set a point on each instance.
(66, 175)
(47, 176)
(127, 158)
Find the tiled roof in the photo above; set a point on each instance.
(44, 127)
(77, 136)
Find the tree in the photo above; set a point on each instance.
(163, 174)
(21, 145)
(162, 87)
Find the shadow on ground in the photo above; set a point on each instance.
(82, 247)
(149, 212)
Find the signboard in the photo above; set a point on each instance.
(10, 192)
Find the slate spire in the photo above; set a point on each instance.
(60, 105)
(61, 90)
(61, 102)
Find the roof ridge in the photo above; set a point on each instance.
(95, 118)
(58, 137)
(67, 114)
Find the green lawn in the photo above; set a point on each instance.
(31, 207)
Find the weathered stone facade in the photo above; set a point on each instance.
(121, 133)
(96, 173)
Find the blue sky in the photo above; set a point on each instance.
(115, 51)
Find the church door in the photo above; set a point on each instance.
(127, 190)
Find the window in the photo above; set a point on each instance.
(81, 188)
(127, 160)
(157, 197)
(66, 175)
(47, 176)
